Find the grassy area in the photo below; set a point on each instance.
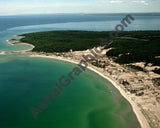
(129, 47)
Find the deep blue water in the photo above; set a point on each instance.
(11, 25)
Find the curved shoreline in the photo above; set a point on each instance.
(19, 42)
(140, 117)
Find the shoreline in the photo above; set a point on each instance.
(17, 41)
(140, 117)
(143, 122)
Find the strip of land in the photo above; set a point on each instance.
(130, 62)
(17, 41)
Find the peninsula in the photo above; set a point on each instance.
(131, 62)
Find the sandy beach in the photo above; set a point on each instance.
(142, 120)
(17, 41)
(2, 52)
(145, 107)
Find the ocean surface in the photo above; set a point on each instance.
(88, 102)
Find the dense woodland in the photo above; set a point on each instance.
(128, 47)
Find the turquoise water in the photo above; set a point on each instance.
(88, 102)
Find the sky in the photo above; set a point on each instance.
(16, 7)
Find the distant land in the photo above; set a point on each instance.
(120, 14)
(129, 47)
(93, 14)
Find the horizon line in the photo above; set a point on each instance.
(81, 13)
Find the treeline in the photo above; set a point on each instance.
(129, 47)
(144, 47)
(63, 41)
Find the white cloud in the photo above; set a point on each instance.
(124, 1)
(98, 6)
(115, 2)
(140, 2)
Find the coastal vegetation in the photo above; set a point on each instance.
(156, 71)
(136, 68)
(140, 46)
(128, 47)
(63, 41)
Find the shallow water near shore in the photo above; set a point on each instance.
(89, 102)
